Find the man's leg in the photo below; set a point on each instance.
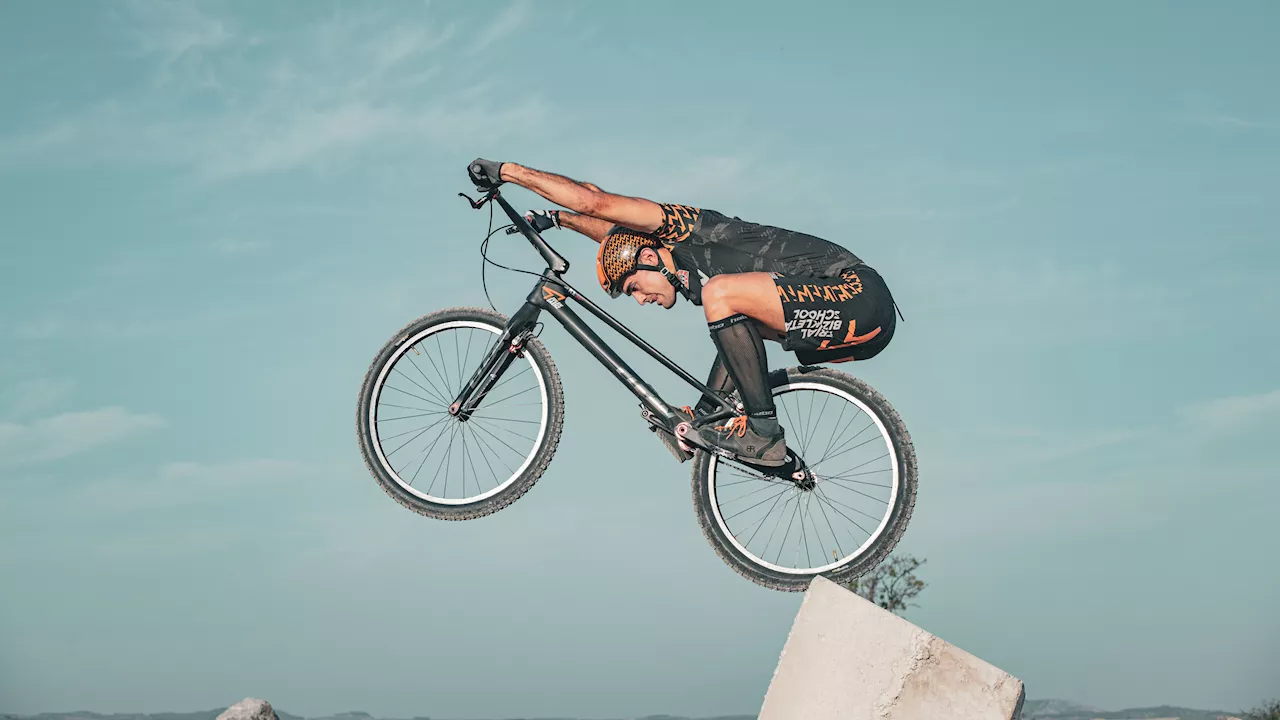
(717, 379)
(736, 307)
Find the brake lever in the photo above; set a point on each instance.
(477, 204)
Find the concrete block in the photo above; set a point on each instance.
(850, 659)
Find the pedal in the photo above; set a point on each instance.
(672, 443)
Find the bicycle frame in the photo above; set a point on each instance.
(551, 294)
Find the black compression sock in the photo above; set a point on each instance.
(742, 351)
(717, 379)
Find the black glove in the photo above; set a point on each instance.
(543, 219)
(486, 174)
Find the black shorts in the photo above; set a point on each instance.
(831, 320)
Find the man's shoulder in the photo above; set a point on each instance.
(679, 222)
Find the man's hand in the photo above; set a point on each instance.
(543, 219)
(486, 174)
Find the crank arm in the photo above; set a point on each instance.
(794, 469)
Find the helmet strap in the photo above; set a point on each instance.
(673, 279)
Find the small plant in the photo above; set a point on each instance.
(892, 584)
(1269, 710)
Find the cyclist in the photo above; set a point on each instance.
(753, 282)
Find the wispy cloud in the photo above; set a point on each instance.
(503, 26)
(41, 328)
(191, 483)
(232, 246)
(349, 83)
(1220, 120)
(33, 396)
(68, 434)
(172, 33)
(1230, 414)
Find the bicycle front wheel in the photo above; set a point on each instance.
(435, 463)
(780, 534)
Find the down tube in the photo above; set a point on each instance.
(607, 357)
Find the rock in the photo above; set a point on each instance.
(249, 709)
(848, 659)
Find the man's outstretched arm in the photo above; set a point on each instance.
(587, 199)
(592, 227)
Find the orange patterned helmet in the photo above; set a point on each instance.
(619, 256)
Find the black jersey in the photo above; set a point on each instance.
(711, 243)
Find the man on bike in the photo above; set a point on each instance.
(753, 282)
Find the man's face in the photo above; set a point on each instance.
(648, 286)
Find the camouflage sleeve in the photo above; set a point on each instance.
(677, 223)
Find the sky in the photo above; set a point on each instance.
(213, 215)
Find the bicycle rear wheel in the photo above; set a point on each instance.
(780, 535)
(435, 463)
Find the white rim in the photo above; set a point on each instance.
(871, 540)
(377, 391)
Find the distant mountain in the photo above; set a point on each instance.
(352, 715)
(1065, 710)
(1032, 710)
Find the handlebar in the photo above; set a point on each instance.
(555, 262)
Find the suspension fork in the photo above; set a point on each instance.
(504, 352)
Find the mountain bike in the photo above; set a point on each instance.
(461, 412)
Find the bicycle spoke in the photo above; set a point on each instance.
(765, 550)
(804, 536)
(415, 437)
(496, 454)
(787, 534)
(753, 492)
(834, 539)
(503, 429)
(408, 417)
(434, 390)
(511, 396)
(751, 479)
(760, 524)
(465, 457)
(821, 413)
(868, 462)
(844, 407)
(847, 477)
(487, 417)
(509, 378)
(457, 356)
(827, 501)
(441, 466)
(467, 356)
(407, 407)
(443, 375)
(835, 502)
(780, 492)
(495, 437)
(809, 423)
(847, 425)
(448, 381)
(859, 492)
(484, 456)
(790, 422)
(855, 447)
